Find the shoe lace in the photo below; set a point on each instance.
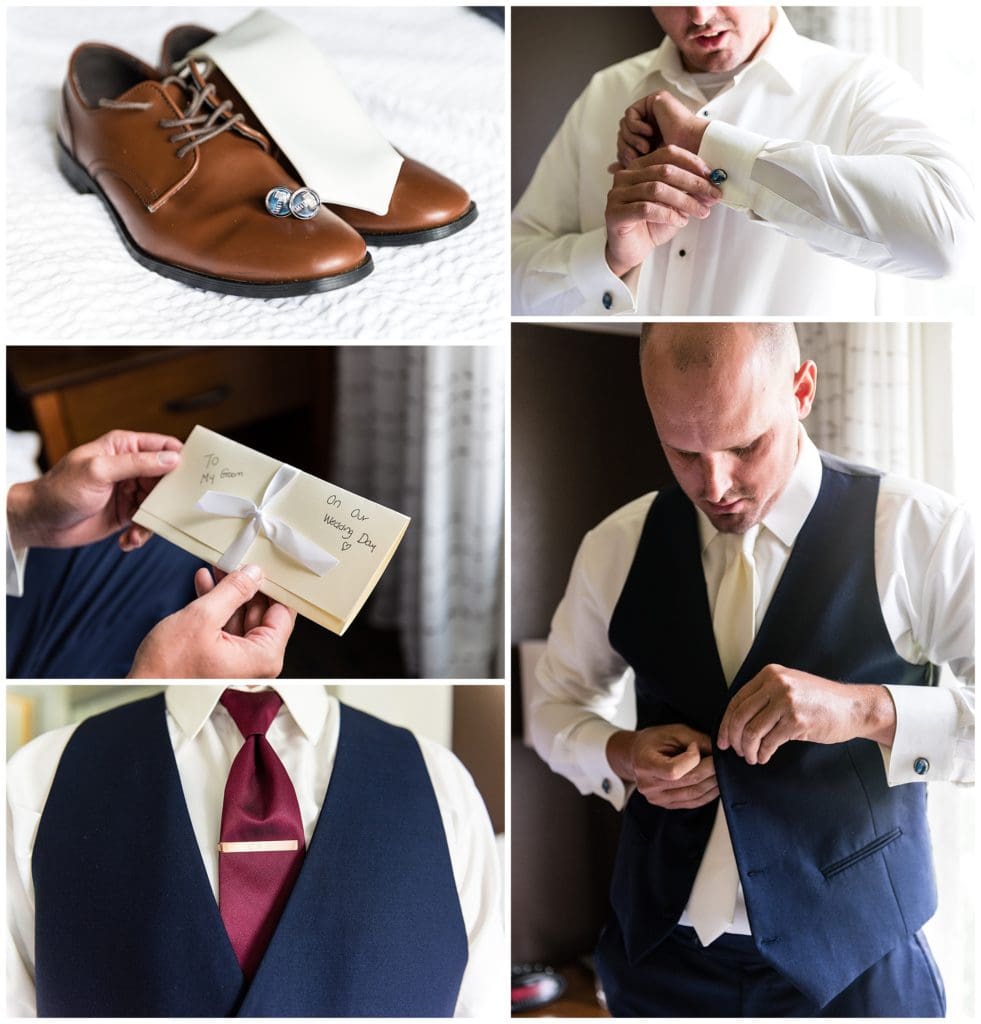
(200, 126)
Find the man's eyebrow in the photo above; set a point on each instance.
(731, 448)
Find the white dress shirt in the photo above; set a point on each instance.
(833, 175)
(924, 568)
(304, 735)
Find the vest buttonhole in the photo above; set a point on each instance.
(766, 942)
(737, 803)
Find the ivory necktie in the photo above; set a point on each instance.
(262, 843)
(713, 896)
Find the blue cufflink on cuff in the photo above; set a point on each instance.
(921, 766)
(718, 176)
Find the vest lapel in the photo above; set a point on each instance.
(197, 898)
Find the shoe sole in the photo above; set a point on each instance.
(418, 237)
(80, 180)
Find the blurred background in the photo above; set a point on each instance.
(556, 50)
(417, 428)
(895, 396)
(469, 720)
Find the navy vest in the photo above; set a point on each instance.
(835, 866)
(127, 924)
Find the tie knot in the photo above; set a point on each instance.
(737, 544)
(252, 712)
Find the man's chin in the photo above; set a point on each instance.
(733, 522)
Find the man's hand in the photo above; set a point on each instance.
(658, 120)
(91, 493)
(671, 765)
(781, 704)
(230, 632)
(651, 201)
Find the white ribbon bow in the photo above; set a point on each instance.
(220, 503)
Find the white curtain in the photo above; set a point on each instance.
(893, 32)
(886, 397)
(421, 429)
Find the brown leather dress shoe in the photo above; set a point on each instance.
(185, 180)
(425, 205)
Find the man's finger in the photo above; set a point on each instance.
(683, 178)
(111, 469)
(735, 714)
(755, 731)
(279, 618)
(703, 771)
(255, 612)
(663, 194)
(635, 121)
(203, 582)
(134, 537)
(678, 157)
(670, 767)
(782, 733)
(228, 595)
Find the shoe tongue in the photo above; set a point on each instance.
(137, 94)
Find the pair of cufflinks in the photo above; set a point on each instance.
(282, 201)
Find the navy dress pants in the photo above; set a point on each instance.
(683, 978)
(85, 610)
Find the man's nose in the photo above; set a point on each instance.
(701, 15)
(716, 478)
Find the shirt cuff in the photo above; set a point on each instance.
(926, 735)
(591, 739)
(604, 293)
(16, 564)
(733, 150)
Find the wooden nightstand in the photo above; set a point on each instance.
(78, 394)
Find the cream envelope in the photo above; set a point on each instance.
(322, 549)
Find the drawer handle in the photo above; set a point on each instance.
(202, 400)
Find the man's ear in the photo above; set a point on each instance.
(805, 386)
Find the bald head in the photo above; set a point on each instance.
(726, 399)
(704, 345)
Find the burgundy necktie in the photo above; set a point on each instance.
(262, 843)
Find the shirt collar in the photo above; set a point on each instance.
(789, 512)
(192, 706)
(780, 51)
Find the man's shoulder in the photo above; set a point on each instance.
(622, 76)
(623, 526)
(836, 63)
(902, 495)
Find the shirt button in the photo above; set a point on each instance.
(607, 786)
(682, 252)
(607, 300)
(921, 766)
(718, 176)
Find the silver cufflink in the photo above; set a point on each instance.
(278, 201)
(304, 203)
(282, 201)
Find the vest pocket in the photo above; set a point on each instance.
(866, 851)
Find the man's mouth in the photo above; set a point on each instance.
(725, 507)
(711, 40)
